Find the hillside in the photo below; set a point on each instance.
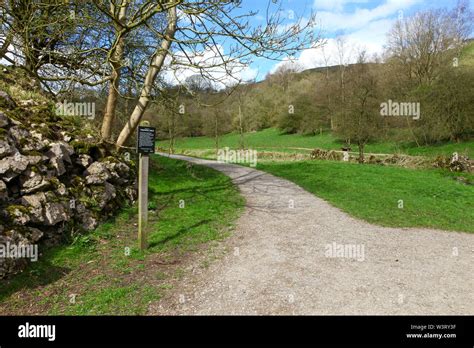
(467, 57)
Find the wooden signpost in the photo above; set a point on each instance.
(145, 146)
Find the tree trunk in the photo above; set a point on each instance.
(412, 132)
(241, 128)
(155, 67)
(116, 62)
(216, 134)
(172, 134)
(109, 114)
(361, 153)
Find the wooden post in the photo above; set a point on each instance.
(145, 146)
(143, 201)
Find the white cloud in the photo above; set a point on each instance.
(371, 38)
(363, 28)
(337, 20)
(335, 5)
(210, 61)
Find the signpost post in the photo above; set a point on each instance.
(145, 146)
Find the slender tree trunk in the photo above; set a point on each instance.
(172, 133)
(155, 67)
(412, 132)
(116, 62)
(241, 128)
(361, 152)
(216, 134)
(109, 114)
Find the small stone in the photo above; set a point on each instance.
(3, 191)
(33, 182)
(88, 221)
(55, 213)
(6, 149)
(19, 216)
(6, 101)
(20, 134)
(62, 190)
(11, 167)
(97, 173)
(35, 234)
(84, 160)
(58, 165)
(35, 203)
(3, 120)
(29, 102)
(61, 150)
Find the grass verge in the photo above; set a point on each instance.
(431, 198)
(104, 273)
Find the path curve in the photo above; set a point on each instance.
(276, 262)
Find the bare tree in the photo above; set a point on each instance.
(197, 83)
(343, 57)
(426, 42)
(361, 122)
(203, 24)
(241, 94)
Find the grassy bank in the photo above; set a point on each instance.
(104, 272)
(431, 198)
(272, 140)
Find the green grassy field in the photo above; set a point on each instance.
(105, 270)
(272, 140)
(431, 198)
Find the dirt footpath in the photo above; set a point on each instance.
(293, 253)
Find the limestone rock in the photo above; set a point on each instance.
(19, 215)
(84, 160)
(6, 101)
(89, 221)
(58, 165)
(6, 149)
(3, 120)
(59, 153)
(97, 173)
(20, 134)
(61, 150)
(32, 182)
(119, 172)
(105, 195)
(55, 213)
(3, 191)
(12, 166)
(62, 189)
(34, 234)
(29, 102)
(132, 193)
(35, 203)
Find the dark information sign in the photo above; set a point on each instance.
(146, 140)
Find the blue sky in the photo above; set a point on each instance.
(364, 22)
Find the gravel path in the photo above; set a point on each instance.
(279, 261)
